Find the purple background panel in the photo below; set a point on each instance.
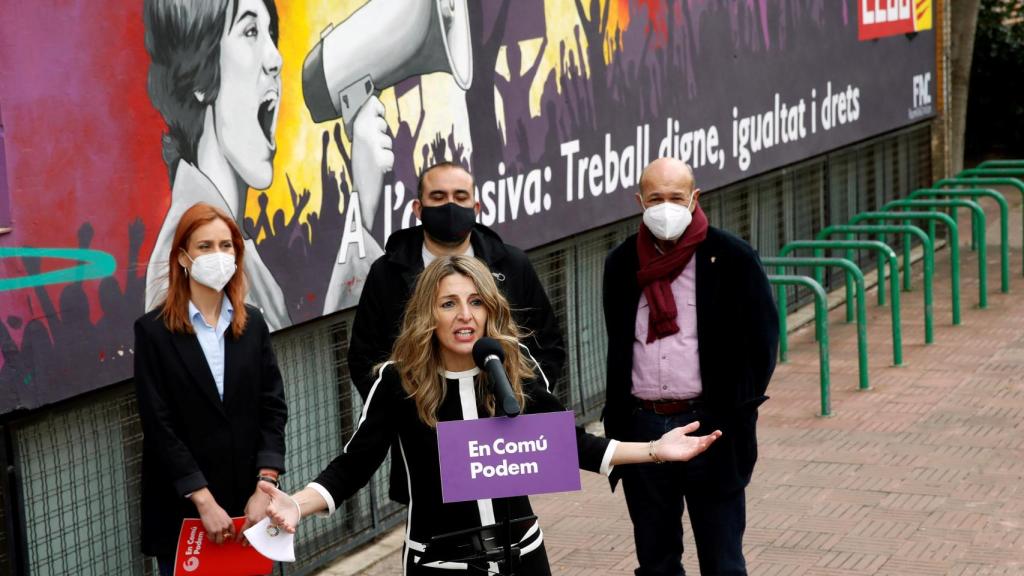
(556, 467)
(674, 70)
(5, 202)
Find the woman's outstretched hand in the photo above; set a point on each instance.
(283, 510)
(676, 446)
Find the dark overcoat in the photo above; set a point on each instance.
(737, 336)
(192, 438)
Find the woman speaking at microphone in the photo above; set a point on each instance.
(431, 377)
(209, 391)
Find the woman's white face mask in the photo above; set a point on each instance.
(668, 221)
(213, 270)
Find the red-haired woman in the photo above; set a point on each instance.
(210, 394)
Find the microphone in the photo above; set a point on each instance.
(489, 355)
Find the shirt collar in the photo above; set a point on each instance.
(429, 256)
(227, 311)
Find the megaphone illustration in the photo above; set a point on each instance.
(381, 44)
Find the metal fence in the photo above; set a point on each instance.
(72, 489)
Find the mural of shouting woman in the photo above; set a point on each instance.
(215, 77)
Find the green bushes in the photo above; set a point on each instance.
(995, 110)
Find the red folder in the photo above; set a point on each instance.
(199, 556)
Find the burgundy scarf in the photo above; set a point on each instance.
(658, 270)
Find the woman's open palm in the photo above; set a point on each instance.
(676, 446)
(282, 510)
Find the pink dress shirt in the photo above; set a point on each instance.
(669, 367)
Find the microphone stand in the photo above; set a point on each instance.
(506, 516)
(502, 392)
(483, 544)
(486, 352)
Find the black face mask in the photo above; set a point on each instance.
(448, 223)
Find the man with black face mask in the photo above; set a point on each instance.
(447, 206)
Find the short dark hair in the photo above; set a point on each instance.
(183, 41)
(432, 167)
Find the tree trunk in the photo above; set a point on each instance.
(963, 21)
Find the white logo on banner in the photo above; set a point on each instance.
(922, 96)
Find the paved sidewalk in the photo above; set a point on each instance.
(922, 475)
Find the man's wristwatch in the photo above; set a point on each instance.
(269, 479)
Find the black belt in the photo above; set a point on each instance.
(670, 407)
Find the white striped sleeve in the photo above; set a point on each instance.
(326, 495)
(366, 405)
(606, 462)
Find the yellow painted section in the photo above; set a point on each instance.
(298, 139)
(562, 18)
(922, 15)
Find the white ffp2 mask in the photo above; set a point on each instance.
(668, 221)
(213, 270)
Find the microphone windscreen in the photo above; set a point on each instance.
(485, 347)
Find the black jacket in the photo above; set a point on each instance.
(738, 336)
(390, 416)
(194, 439)
(391, 281)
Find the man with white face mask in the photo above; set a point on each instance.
(692, 336)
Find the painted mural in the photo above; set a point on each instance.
(309, 121)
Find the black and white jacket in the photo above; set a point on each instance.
(390, 414)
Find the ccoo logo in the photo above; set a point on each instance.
(878, 18)
(191, 565)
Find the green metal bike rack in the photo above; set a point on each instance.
(893, 229)
(954, 235)
(977, 230)
(929, 260)
(1004, 224)
(1006, 163)
(995, 171)
(852, 271)
(973, 181)
(821, 320)
(819, 246)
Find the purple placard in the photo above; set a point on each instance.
(499, 457)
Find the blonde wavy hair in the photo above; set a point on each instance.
(417, 352)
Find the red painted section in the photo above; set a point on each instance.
(877, 20)
(80, 132)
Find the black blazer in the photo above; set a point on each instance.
(193, 439)
(738, 336)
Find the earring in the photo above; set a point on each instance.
(199, 95)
